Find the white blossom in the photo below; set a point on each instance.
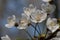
(48, 8)
(52, 24)
(6, 37)
(38, 16)
(23, 23)
(11, 21)
(29, 10)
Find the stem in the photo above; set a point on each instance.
(52, 35)
(29, 34)
(34, 28)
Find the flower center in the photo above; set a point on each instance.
(52, 24)
(38, 17)
(24, 22)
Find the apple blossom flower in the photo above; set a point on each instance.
(23, 23)
(11, 21)
(48, 8)
(38, 16)
(29, 10)
(6, 37)
(52, 24)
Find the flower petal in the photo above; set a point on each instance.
(48, 8)
(27, 11)
(8, 26)
(46, 0)
(21, 27)
(54, 28)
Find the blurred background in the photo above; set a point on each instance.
(10, 7)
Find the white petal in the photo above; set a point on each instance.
(21, 27)
(48, 8)
(32, 8)
(27, 11)
(54, 19)
(14, 17)
(54, 28)
(31, 5)
(46, 0)
(44, 16)
(25, 16)
(8, 26)
(48, 21)
(33, 20)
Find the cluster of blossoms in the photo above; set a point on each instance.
(32, 14)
